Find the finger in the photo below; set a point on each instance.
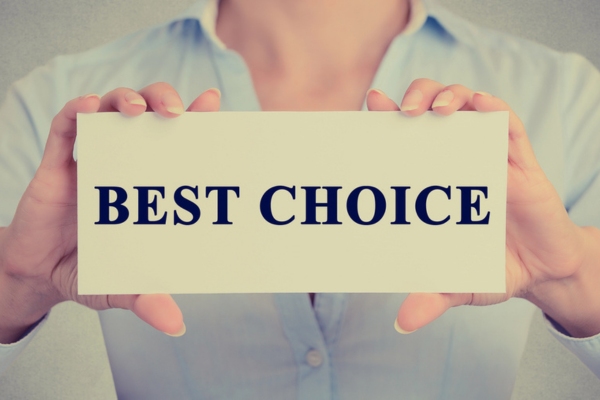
(378, 101)
(124, 100)
(419, 309)
(63, 131)
(163, 99)
(419, 96)
(453, 98)
(208, 101)
(158, 310)
(520, 151)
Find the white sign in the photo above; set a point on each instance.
(230, 202)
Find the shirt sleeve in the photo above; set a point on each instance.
(581, 116)
(9, 352)
(25, 117)
(581, 99)
(586, 349)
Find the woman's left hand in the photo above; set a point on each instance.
(548, 257)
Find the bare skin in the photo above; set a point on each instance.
(311, 55)
(301, 60)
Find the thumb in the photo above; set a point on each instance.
(158, 310)
(419, 309)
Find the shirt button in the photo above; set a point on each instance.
(314, 358)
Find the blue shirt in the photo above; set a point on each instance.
(256, 346)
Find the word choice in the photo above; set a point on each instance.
(189, 211)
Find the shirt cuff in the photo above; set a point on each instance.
(586, 349)
(9, 352)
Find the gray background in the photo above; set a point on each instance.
(67, 359)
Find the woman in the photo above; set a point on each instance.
(286, 56)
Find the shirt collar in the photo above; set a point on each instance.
(421, 11)
(457, 27)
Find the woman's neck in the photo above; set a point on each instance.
(310, 46)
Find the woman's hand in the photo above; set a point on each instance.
(548, 257)
(38, 250)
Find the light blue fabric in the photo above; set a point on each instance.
(275, 345)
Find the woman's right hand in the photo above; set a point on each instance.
(38, 250)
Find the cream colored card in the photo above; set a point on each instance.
(421, 202)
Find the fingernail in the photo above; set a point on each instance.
(135, 99)
(172, 103)
(215, 91)
(443, 99)
(87, 96)
(400, 330)
(412, 100)
(178, 334)
(483, 93)
(377, 91)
